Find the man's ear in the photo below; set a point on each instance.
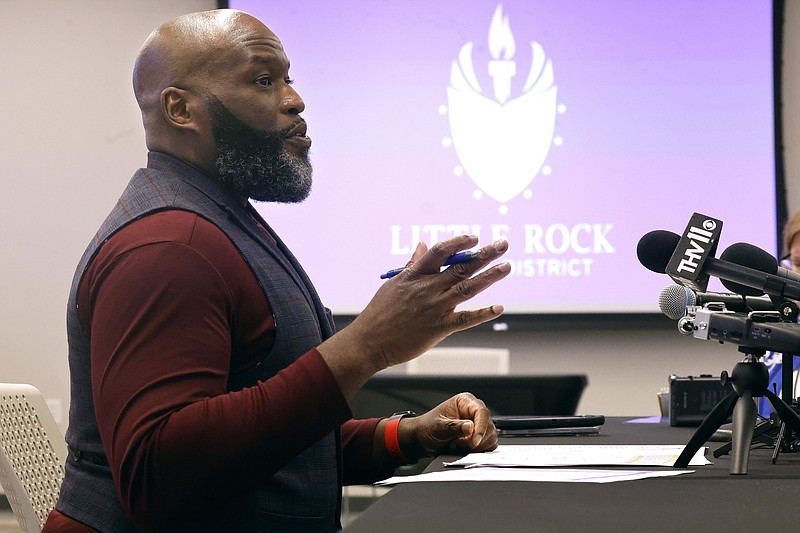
(179, 107)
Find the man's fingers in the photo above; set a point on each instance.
(419, 251)
(482, 257)
(431, 262)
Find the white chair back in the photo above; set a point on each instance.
(32, 454)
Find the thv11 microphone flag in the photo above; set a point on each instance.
(698, 242)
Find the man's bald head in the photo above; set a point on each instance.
(186, 53)
(179, 49)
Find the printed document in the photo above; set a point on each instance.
(538, 455)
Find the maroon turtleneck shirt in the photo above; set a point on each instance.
(172, 309)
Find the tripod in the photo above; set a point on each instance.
(786, 442)
(749, 379)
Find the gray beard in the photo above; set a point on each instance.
(254, 163)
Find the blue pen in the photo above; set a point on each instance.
(460, 257)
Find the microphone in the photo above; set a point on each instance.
(655, 248)
(659, 244)
(752, 256)
(748, 256)
(674, 300)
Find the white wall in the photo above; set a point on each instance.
(70, 136)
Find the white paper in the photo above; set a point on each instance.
(541, 455)
(568, 475)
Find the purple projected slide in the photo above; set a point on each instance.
(569, 128)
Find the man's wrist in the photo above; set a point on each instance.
(398, 441)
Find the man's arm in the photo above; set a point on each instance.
(162, 317)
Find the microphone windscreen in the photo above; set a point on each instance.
(750, 256)
(655, 249)
(674, 299)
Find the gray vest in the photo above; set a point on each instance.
(305, 495)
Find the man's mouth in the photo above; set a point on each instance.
(296, 135)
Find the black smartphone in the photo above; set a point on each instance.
(512, 426)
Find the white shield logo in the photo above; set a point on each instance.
(502, 144)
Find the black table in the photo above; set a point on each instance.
(708, 500)
(506, 395)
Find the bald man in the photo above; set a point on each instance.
(209, 389)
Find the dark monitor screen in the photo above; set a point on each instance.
(383, 395)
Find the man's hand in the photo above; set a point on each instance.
(415, 310)
(460, 424)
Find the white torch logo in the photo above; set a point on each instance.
(501, 142)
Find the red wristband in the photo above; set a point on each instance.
(391, 438)
(392, 441)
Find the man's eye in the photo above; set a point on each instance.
(288, 80)
(265, 81)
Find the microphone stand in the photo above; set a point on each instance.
(788, 311)
(786, 442)
(749, 379)
(773, 431)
